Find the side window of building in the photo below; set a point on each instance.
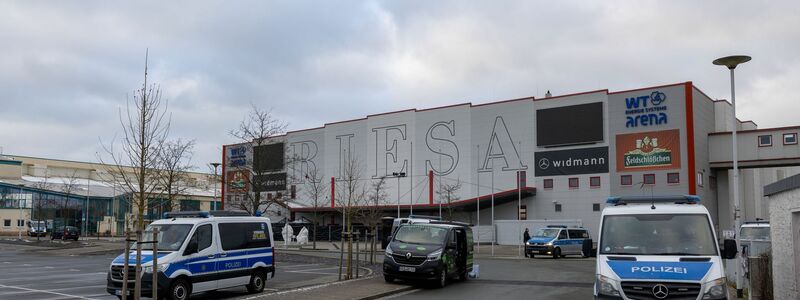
(237, 236)
(204, 234)
(562, 235)
(6, 223)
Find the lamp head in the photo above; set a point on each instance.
(732, 61)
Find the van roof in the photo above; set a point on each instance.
(660, 208)
(180, 220)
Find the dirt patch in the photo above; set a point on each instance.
(45, 242)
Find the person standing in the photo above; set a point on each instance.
(525, 237)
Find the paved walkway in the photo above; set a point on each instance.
(363, 289)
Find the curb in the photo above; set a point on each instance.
(389, 293)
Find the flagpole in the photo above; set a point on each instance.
(494, 230)
(478, 191)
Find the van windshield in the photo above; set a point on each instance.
(681, 234)
(755, 233)
(417, 234)
(170, 236)
(547, 232)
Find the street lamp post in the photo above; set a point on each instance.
(731, 62)
(398, 175)
(215, 165)
(19, 204)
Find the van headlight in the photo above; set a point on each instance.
(527, 243)
(715, 289)
(606, 286)
(161, 268)
(389, 251)
(436, 255)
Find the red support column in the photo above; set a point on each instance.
(430, 187)
(333, 192)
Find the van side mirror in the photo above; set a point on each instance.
(191, 248)
(729, 249)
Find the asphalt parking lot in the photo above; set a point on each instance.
(540, 278)
(48, 275)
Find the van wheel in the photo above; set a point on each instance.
(530, 255)
(180, 289)
(388, 278)
(257, 282)
(556, 253)
(442, 281)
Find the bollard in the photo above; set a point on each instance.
(125, 268)
(154, 285)
(357, 253)
(137, 288)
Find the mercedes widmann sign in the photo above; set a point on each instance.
(572, 162)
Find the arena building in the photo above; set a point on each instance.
(550, 158)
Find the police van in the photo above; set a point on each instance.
(661, 247)
(200, 251)
(559, 241)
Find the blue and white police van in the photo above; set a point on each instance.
(558, 241)
(200, 251)
(661, 247)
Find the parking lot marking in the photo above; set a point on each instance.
(44, 291)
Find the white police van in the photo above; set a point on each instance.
(201, 251)
(558, 241)
(661, 247)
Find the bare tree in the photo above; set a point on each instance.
(350, 195)
(42, 199)
(174, 161)
(257, 129)
(316, 190)
(145, 125)
(68, 187)
(372, 212)
(447, 194)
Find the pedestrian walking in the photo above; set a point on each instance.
(525, 237)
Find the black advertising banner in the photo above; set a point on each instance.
(268, 157)
(572, 162)
(270, 182)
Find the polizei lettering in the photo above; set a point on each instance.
(659, 269)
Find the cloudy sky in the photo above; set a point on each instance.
(66, 67)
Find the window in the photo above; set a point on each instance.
(243, 235)
(548, 183)
(562, 235)
(558, 207)
(712, 182)
(20, 223)
(595, 206)
(6, 223)
(574, 183)
(673, 178)
(626, 180)
(190, 205)
(700, 178)
(790, 138)
(765, 141)
(578, 234)
(649, 178)
(594, 182)
(203, 235)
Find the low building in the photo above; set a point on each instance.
(784, 220)
(82, 194)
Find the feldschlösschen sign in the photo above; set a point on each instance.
(654, 150)
(572, 162)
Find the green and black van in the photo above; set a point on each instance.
(435, 251)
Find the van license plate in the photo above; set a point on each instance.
(119, 292)
(408, 269)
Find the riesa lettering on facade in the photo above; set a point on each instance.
(647, 110)
(392, 151)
